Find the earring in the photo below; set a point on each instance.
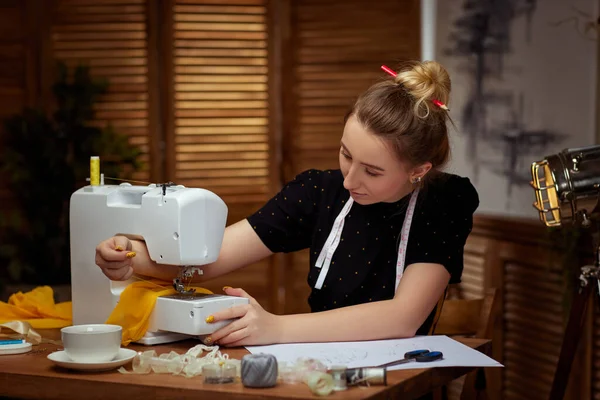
(416, 180)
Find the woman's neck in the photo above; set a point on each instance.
(406, 190)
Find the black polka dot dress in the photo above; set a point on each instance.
(363, 267)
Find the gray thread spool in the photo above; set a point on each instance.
(259, 370)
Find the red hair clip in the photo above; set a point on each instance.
(440, 104)
(434, 101)
(388, 70)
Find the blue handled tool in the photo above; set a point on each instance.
(11, 341)
(416, 355)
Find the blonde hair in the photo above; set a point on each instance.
(425, 82)
(402, 110)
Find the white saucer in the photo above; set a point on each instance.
(16, 348)
(61, 359)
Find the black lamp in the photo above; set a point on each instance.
(567, 191)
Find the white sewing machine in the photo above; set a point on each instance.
(181, 226)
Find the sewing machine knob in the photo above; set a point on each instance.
(585, 221)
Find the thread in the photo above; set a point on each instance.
(150, 282)
(219, 374)
(259, 370)
(94, 170)
(127, 180)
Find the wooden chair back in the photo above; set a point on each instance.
(468, 317)
(473, 318)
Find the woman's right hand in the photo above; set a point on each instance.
(115, 257)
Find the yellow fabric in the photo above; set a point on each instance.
(36, 308)
(135, 305)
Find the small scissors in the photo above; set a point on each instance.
(416, 355)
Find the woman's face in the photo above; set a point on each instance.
(372, 172)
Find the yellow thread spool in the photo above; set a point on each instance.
(94, 170)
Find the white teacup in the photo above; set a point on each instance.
(92, 342)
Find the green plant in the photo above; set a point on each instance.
(46, 159)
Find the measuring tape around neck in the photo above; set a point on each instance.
(404, 237)
(333, 240)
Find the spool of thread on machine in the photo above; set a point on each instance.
(94, 170)
(259, 370)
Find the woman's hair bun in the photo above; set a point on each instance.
(425, 81)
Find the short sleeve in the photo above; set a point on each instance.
(441, 226)
(286, 222)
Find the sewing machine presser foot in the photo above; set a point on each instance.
(185, 273)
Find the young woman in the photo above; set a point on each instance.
(386, 231)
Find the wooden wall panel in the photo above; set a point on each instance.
(16, 59)
(533, 329)
(522, 261)
(13, 57)
(595, 351)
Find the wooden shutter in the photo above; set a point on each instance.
(110, 36)
(472, 284)
(221, 137)
(218, 132)
(337, 49)
(533, 302)
(13, 57)
(595, 352)
(13, 68)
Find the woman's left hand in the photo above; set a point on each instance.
(252, 325)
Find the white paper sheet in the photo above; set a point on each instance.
(373, 353)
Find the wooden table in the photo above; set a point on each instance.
(32, 375)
